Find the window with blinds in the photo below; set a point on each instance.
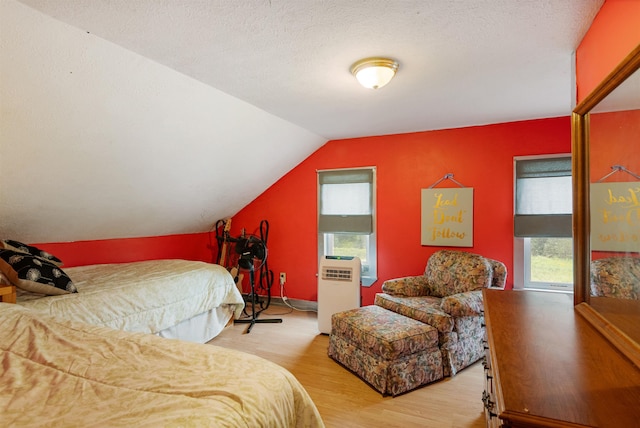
(543, 198)
(543, 245)
(346, 217)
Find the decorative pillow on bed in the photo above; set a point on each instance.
(34, 274)
(10, 244)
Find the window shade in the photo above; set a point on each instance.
(543, 198)
(544, 167)
(345, 201)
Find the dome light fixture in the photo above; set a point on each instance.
(374, 72)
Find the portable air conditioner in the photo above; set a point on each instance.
(338, 288)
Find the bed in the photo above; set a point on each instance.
(64, 373)
(180, 299)
(188, 300)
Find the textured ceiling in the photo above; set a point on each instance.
(125, 118)
(462, 63)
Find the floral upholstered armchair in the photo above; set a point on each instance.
(616, 277)
(448, 297)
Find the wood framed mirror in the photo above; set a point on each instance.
(606, 207)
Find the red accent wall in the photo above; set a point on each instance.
(80, 253)
(614, 33)
(604, 128)
(479, 157)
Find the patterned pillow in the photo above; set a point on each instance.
(34, 274)
(10, 244)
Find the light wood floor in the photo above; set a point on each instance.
(345, 401)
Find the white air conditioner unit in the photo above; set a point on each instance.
(338, 288)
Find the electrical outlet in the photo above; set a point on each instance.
(283, 278)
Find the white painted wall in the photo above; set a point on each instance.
(98, 142)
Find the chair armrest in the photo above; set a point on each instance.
(409, 286)
(465, 304)
(499, 274)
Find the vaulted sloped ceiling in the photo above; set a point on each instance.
(125, 118)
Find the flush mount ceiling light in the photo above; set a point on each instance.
(374, 72)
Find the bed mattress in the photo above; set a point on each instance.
(146, 297)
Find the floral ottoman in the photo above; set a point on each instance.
(391, 352)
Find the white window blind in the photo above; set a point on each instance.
(346, 201)
(543, 197)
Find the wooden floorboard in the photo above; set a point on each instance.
(345, 401)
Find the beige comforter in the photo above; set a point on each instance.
(144, 297)
(68, 374)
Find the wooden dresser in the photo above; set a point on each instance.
(547, 367)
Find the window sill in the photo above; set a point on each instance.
(549, 290)
(368, 281)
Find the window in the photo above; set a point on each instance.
(542, 224)
(346, 217)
